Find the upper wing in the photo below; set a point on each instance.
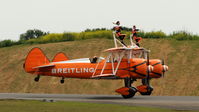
(119, 49)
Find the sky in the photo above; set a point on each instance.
(57, 16)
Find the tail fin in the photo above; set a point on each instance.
(60, 57)
(35, 57)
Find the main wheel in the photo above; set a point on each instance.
(36, 79)
(132, 92)
(62, 81)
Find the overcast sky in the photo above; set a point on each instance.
(57, 16)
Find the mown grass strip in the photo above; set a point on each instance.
(60, 106)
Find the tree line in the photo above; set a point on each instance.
(36, 36)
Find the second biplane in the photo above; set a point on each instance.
(127, 63)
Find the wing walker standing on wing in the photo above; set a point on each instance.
(135, 37)
(118, 33)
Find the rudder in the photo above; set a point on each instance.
(35, 58)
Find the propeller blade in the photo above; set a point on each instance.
(163, 67)
(163, 61)
(147, 58)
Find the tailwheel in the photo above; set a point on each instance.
(37, 78)
(132, 91)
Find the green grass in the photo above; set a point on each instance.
(60, 106)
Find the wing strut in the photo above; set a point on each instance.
(114, 70)
(120, 59)
(116, 40)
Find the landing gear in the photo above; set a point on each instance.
(147, 89)
(62, 80)
(132, 90)
(37, 78)
(128, 91)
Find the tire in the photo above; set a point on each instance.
(132, 92)
(61, 81)
(128, 96)
(36, 79)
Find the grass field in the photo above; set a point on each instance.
(40, 106)
(181, 57)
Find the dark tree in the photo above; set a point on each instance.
(31, 34)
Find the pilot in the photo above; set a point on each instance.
(94, 59)
(118, 29)
(135, 37)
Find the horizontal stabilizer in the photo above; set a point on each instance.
(44, 66)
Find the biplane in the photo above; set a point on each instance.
(128, 63)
